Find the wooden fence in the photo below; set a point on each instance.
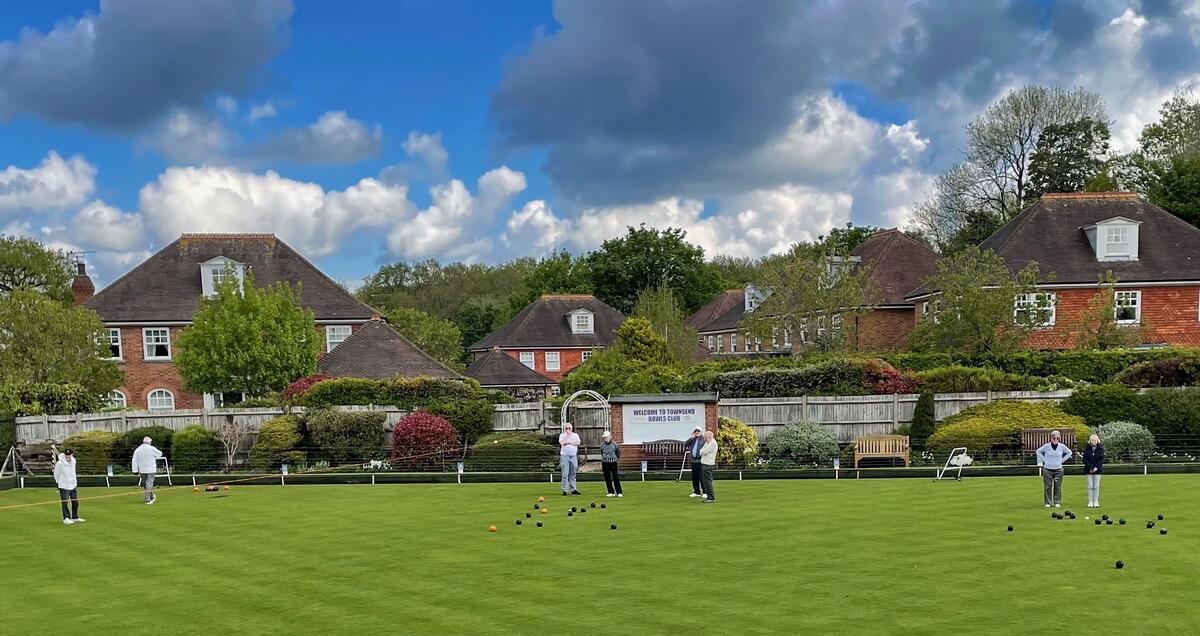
(848, 416)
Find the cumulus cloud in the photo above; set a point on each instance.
(450, 226)
(188, 136)
(136, 60)
(54, 184)
(101, 226)
(335, 138)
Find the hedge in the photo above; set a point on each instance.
(737, 443)
(194, 449)
(8, 431)
(834, 377)
(1173, 415)
(510, 451)
(404, 393)
(1102, 403)
(802, 442)
(471, 418)
(298, 388)
(996, 427)
(276, 443)
(43, 398)
(348, 437)
(342, 392)
(1095, 367)
(960, 379)
(1126, 441)
(161, 437)
(93, 451)
(1178, 371)
(609, 373)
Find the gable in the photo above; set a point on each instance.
(544, 323)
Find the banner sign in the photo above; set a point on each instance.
(667, 420)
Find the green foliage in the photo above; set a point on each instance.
(1176, 187)
(1166, 372)
(46, 341)
(276, 443)
(475, 320)
(560, 273)
(843, 240)
(609, 373)
(47, 399)
(27, 264)
(93, 451)
(1067, 155)
(445, 290)
(194, 449)
(1095, 367)
(248, 339)
(803, 443)
(1100, 404)
(471, 418)
(1096, 326)
(348, 437)
(1173, 415)
(8, 430)
(1126, 441)
(437, 337)
(343, 392)
(667, 320)
(995, 428)
(737, 443)
(832, 377)
(647, 258)
(959, 379)
(161, 436)
(510, 451)
(412, 393)
(636, 340)
(923, 421)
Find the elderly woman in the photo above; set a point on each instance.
(610, 454)
(1093, 466)
(1050, 458)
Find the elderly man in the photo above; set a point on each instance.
(568, 444)
(693, 446)
(64, 477)
(610, 456)
(145, 463)
(708, 463)
(1050, 459)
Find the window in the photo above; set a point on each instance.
(587, 355)
(527, 358)
(117, 400)
(161, 400)
(1037, 310)
(924, 310)
(1129, 307)
(555, 391)
(582, 322)
(218, 277)
(335, 335)
(221, 400)
(757, 344)
(712, 343)
(1116, 241)
(720, 342)
(787, 339)
(552, 361)
(156, 343)
(733, 343)
(114, 344)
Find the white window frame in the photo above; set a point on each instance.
(720, 343)
(733, 342)
(587, 355)
(150, 397)
(1109, 244)
(555, 391)
(117, 399)
(331, 330)
(557, 357)
(526, 358)
(1032, 302)
(146, 343)
(115, 331)
(712, 343)
(582, 323)
(1128, 294)
(217, 400)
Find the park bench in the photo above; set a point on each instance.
(1034, 438)
(664, 454)
(881, 446)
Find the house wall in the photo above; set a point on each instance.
(567, 359)
(883, 329)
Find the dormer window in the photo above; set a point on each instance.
(753, 297)
(1114, 239)
(581, 322)
(214, 272)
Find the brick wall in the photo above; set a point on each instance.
(631, 454)
(567, 359)
(883, 330)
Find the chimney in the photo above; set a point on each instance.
(82, 287)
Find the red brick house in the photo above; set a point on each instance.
(375, 350)
(554, 334)
(719, 324)
(145, 309)
(899, 263)
(1075, 239)
(499, 370)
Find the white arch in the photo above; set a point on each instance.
(585, 392)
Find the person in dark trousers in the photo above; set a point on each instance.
(1093, 466)
(708, 463)
(610, 455)
(64, 476)
(1050, 458)
(693, 447)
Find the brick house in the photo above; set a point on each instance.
(554, 334)
(145, 310)
(375, 350)
(1076, 238)
(719, 324)
(899, 263)
(498, 370)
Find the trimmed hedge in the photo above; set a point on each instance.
(93, 451)
(834, 377)
(298, 388)
(609, 373)
(1095, 367)
(737, 443)
(1167, 372)
(276, 443)
(471, 418)
(45, 398)
(348, 437)
(1173, 415)
(959, 379)
(1126, 441)
(1102, 403)
(996, 427)
(510, 451)
(160, 436)
(342, 392)
(421, 440)
(803, 443)
(194, 449)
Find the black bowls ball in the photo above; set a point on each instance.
(1098, 522)
(539, 524)
(1160, 518)
(612, 527)
(518, 522)
(529, 515)
(593, 505)
(1120, 565)
(536, 506)
(603, 505)
(1108, 522)
(1010, 528)
(1122, 522)
(1104, 517)
(1162, 530)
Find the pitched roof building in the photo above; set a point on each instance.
(499, 370)
(898, 263)
(376, 350)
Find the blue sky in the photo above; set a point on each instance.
(370, 132)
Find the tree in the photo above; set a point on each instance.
(44, 340)
(439, 338)
(1067, 157)
(248, 339)
(843, 240)
(636, 340)
(973, 306)
(1176, 133)
(25, 263)
(1096, 326)
(736, 271)
(557, 274)
(661, 309)
(1175, 187)
(442, 290)
(475, 320)
(646, 258)
(232, 435)
(811, 290)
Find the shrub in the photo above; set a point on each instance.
(996, 427)
(298, 388)
(194, 449)
(8, 431)
(93, 451)
(347, 437)
(737, 443)
(803, 442)
(510, 451)
(836, 377)
(608, 373)
(264, 402)
(411, 393)
(1172, 415)
(343, 392)
(923, 421)
(276, 443)
(882, 378)
(44, 398)
(960, 379)
(160, 436)
(1102, 403)
(471, 418)
(1126, 440)
(1166, 372)
(419, 440)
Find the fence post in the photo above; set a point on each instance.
(989, 396)
(124, 421)
(895, 411)
(46, 426)
(804, 407)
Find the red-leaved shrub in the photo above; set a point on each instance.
(883, 379)
(421, 440)
(301, 386)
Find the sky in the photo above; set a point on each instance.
(373, 132)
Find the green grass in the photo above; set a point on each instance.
(805, 556)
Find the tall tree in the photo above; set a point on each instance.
(26, 263)
(560, 273)
(636, 340)
(439, 338)
(477, 319)
(661, 309)
(843, 240)
(46, 340)
(1177, 131)
(646, 258)
(1175, 187)
(974, 307)
(248, 339)
(1067, 157)
(736, 271)
(442, 289)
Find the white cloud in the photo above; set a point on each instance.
(428, 150)
(265, 110)
(227, 105)
(54, 184)
(335, 138)
(101, 226)
(534, 230)
(190, 137)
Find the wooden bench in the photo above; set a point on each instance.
(664, 453)
(1034, 438)
(881, 446)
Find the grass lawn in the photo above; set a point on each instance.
(806, 556)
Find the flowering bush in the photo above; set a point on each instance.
(301, 386)
(1126, 440)
(737, 443)
(419, 440)
(882, 378)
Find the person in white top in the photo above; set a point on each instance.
(145, 463)
(64, 476)
(568, 443)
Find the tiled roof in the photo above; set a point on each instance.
(544, 324)
(899, 263)
(376, 350)
(497, 368)
(722, 313)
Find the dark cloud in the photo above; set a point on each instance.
(135, 60)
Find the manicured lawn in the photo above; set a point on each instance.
(807, 556)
